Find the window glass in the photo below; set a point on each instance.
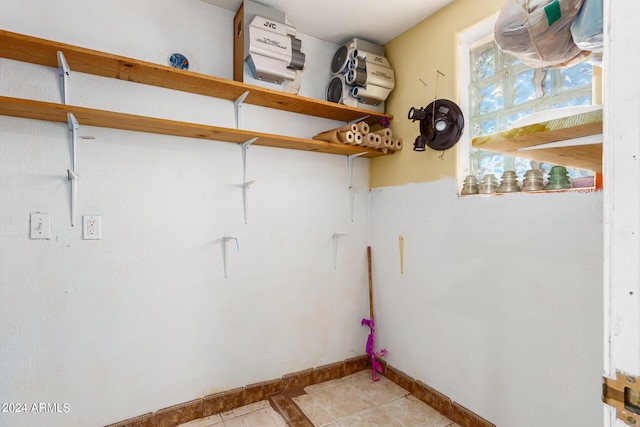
(524, 90)
(503, 90)
(484, 63)
(491, 98)
(577, 76)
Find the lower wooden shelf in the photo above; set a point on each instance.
(39, 110)
(512, 141)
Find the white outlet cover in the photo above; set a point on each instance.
(91, 227)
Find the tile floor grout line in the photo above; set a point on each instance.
(391, 415)
(362, 394)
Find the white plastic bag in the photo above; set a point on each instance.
(587, 27)
(538, 32)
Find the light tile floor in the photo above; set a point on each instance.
(357, 401)
(352, 401)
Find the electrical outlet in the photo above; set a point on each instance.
(40, 227)
(91, 227)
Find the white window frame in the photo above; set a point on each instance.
(479, 33)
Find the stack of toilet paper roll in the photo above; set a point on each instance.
(360, 134)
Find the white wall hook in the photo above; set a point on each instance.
(65, 72)
(336, 237)
(225, 255)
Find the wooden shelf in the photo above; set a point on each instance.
(17, 107)
(44, 52)
(587, 157)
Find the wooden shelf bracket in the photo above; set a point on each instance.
(72, 174)
(65, 73)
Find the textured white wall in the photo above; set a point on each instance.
(144, 318)
(500, 303)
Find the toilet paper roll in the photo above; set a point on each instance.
(331, 136)
(352, 127)
(346, 137)
(386, 132)
(386, 142)
(363, 127)
(357, 138)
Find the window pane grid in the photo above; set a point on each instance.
(503, 89)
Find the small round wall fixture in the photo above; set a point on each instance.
(441, 125)
(178, 60)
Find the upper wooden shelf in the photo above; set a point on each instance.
(39, 110)
(511, 141)
(44, 52)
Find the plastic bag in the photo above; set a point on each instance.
(538, 32)
(587, 27)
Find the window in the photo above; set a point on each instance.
(497, 89)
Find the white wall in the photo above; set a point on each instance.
(500, 303)
(499, 306)
(144, 318)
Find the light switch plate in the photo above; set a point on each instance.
(40, 226)
(91, 227)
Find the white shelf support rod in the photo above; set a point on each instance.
(65, 72)
(74, 127)
(245, 184)
(72, 174)
(73, 177)
(236, 106)
(352, 190)
(225, 255)
(335, 238)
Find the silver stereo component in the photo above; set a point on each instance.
(362, 77)
(272, 51)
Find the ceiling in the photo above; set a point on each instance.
(337, 21)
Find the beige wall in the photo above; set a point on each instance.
(417, 55)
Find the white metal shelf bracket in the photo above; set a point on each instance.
(352, 190)
(245, 184)
(225, 255)
(72, 173)
(335, 238)
(65, 72)
(236, 107)
(359, 120)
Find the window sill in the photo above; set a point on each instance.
(566, 190)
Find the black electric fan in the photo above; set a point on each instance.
(441, 125)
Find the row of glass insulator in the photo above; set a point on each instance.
(532, 181)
